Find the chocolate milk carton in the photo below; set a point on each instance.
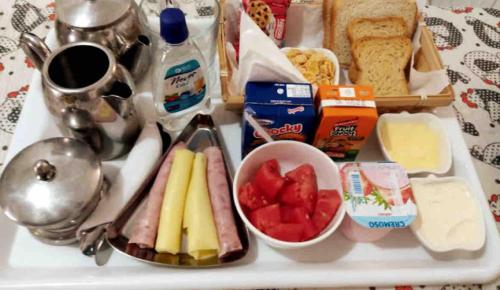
(285, 110)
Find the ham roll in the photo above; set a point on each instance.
(218, 187)
(146, 227)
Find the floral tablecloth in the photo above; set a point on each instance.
(468, 39)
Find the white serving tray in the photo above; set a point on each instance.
(398, 259)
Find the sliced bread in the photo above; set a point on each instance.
(344, 11)
(380, 27)
(353, 72)
(384, 26)
(381, 63)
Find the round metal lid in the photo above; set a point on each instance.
(91, 13)
(49, 182)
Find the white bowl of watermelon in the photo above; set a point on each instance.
(288, 193)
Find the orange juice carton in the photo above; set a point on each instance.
(347, 116)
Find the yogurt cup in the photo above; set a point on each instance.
(377, 198)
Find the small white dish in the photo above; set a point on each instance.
(479, 243)
(434, 123)
(326, 52)
(291, 154)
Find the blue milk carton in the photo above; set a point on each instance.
(285, 110)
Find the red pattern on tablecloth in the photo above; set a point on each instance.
(468, 39)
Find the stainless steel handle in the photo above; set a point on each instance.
(34, 47)
(93, 243)
(89, 240)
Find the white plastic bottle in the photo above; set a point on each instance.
(180, 80)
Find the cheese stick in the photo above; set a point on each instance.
(172, 210)
(198, 217)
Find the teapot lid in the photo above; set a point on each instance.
(50, 181)
(91, 13)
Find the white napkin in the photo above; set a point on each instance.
(233, 86)
(425, 83)
(260, 58)
(304, 24)
(140, 161)
(232, 11)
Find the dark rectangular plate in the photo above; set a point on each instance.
(199, 134)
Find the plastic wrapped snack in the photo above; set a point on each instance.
(270, 16)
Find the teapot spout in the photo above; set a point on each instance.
(118, 98)
(34, 47)
(138, 57)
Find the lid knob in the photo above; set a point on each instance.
(173, 27)
(44, 170)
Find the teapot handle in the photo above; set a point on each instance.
(34, 47)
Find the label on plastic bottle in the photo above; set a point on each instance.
(184, 86)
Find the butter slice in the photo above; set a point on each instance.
(169, 236)
(198, 217)
(414, 145)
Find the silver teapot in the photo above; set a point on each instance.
(119, 25)
(88, 93)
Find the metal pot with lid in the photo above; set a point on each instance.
(51, 187)
(119, 25)
(90, 100)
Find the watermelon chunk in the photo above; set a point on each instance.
(266, 217)
(268, 179)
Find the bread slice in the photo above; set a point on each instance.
(385, 26)
(344, 11)
(353, 72)
(380, 27)
(381, 63)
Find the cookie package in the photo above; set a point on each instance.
(270, 16)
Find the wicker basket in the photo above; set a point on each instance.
(427, 59)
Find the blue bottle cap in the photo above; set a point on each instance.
(173, 28)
